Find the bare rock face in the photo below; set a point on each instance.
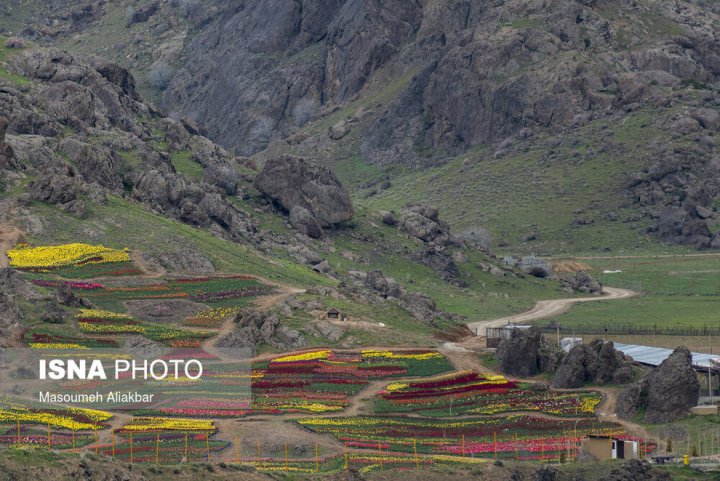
(439, 260)
(54, 187)
(666, 394)
(598, 362)
(12, 287)
(520, 354)
(7, 156)
(420, 307)
(198, 204)
(295, 184)
(303, 220)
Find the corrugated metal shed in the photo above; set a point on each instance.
(653, 356)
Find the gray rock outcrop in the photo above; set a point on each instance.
(519, 355)
(254, 328)
(311, 194)
(598, 362)
(636, 470)
(12, 288)
(387, 286)
(423, 222)
(583, 282)
(666, 393)
(7, 156)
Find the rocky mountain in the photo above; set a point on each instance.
(422, 83)
(79, 144)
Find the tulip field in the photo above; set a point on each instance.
(417, 409)
(520, 437)
(475, 393)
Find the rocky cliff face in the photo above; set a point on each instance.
(484, 75)
(462, 75)
(80, 131)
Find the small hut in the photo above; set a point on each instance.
(603, 447)
(334, 314)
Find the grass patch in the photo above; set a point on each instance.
(184, 164)
(677, 291)
(5, 54)
(121, 224)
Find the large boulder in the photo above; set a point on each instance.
(54, 187)
(598, 362)
(666, 394)
(11, 283)
(295, 183)
(386, 286)
(303, 220)
(519, 355)
(535, 266)
(423, 222)
(583, 282)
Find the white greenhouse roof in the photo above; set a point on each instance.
(653, 356)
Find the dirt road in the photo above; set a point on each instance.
(549, 308)
(9, 235)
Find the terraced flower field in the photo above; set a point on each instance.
(521, 437)
(475, 393)
(427, 413)
(312, 382)
(109, 280)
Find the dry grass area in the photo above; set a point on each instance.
(565, 267)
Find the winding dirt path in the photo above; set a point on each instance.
(550, 308)
(262, 303)
(9, 235)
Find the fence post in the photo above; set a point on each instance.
(417, 461)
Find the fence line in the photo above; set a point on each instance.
(635, 330)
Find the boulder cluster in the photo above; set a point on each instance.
(598, 362)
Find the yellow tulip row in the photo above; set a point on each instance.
(305, 356)
(64, 255)
(169, 424)
(58, 419)
(56, 345)
(101, 314)
(399, 355)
